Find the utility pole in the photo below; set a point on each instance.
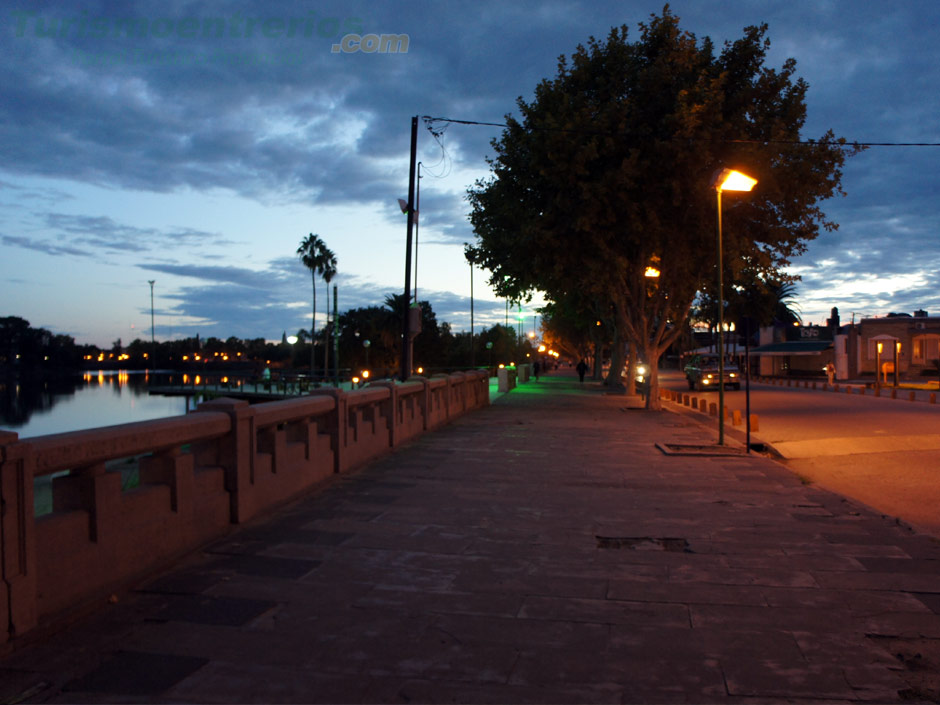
(406, 313)
(335, 339)
(471, 314)
(153, 339)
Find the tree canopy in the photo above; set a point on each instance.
(608, 169)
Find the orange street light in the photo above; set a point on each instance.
(897, 354)
(725, 180)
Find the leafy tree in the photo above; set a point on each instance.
(381, 328)
(608, 169)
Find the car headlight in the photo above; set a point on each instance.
(732, 374)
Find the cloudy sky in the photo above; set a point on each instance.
(196, 144)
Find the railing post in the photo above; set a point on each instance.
(175, 469)
(395, 414)
(237, 453)
(17, 537)
(424, 401)
(445, 394)
(338, 426)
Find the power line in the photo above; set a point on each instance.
(429, 122)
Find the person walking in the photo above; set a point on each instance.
(582, 368)
(831, 372)
(535, 369)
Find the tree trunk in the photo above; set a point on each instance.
(614, 377)
(631, 370)
(653, 402)
(598, 372)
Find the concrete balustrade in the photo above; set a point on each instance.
(198, 475)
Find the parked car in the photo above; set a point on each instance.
(702, 373)
(641, 374)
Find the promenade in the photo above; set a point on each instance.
(540, 550)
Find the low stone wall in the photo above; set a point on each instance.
(200, 473)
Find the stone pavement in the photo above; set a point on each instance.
(540, 550)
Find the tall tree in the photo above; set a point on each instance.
(328, 270)
(608, 171)
(310, 251)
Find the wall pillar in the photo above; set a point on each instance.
(237, 453)
(17, 537)
(338, 426)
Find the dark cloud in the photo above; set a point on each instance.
(44, 246)
(105, 233)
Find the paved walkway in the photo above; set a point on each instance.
(541, 550)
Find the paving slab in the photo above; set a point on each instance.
(542, 550)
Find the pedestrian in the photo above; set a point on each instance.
(582, 368)
(535, 369)
(831, 372)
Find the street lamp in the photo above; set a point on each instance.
(897, 353)
(468, 253)
(725, 180)
(880, 347)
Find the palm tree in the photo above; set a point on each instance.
(786, 310)
(327, 271)
(310, 252)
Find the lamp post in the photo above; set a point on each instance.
(880, 347)
(292, 341)
(725, 180)
(468, 253)
(153, 340)
(897, 354)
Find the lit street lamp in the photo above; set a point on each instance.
(897, 353)
(880, 347)
(725, 180)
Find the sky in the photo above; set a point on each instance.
(196, 144)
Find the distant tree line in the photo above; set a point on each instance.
(27, 349)
(437, 348)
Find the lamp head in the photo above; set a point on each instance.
(731, 180)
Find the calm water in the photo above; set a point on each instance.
(89, 400)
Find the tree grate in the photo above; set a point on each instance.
(644, 543)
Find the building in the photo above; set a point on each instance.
(918, 354)
(853, 348)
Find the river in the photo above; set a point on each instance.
(37, 407)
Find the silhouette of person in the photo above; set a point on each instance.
(535, 369)
(582, 368)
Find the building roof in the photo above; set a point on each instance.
(793, 347)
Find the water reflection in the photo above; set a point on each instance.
(36, 407)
